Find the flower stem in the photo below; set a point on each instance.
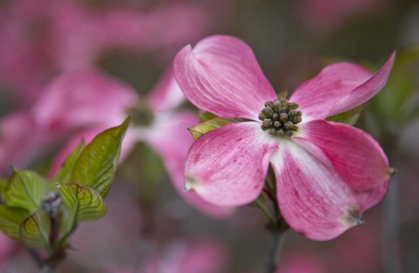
(274, 249)
(263, 208)
(36, 257)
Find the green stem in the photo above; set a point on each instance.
(274, 249)
(263, 208)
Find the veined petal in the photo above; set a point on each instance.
(171, 139)
(339, 87)
(228, 166)
(366, 91)
(313, 198)
(166, 93)
(221, 75)
(355, 155)
(84, 98)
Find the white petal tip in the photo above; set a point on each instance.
(353, 218)
(190, 184)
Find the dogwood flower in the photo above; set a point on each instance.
(327, 173)
(91, 102)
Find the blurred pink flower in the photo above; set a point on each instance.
(201, 256)
(92, 102)
(7, 247)
(21, 139)
(328, 173)
(329, 15)
(301, 262)
(41, 38)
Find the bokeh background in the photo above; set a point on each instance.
(148, 227)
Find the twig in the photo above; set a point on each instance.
(390, 253)
(274, 249)
(36, 257)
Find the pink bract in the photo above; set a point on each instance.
(42, 38)
(328, 173)
(188, 257)
(92, 102)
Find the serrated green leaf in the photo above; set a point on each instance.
(10, 220)
(96, 165)
(282, 95)
(34, 231)
(64, 174)
(25, 189)
(84, 203)
(349, 117)
(208, 126)
(205, 116)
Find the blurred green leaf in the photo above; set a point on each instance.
(10, 220)
(97, 163)
(84, 203)
(34, 231)
(3, 185)
(64, 174)
(393, 102)
(349, 117)
(282, 95)
(205, 116)
(25, 189)
(208, 126)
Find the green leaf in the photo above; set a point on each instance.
(208, 126)
(84, 203)
(96, 165)
(349, 117)
(205, 116)
(10, 219)
(282, 95)
(34, 231)
(393, 102)
(3, 185)
(25, 189)
(64, 174)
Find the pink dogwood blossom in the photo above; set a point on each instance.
(7, 247)
(188, 257)
(42, 38)
(91, 102)
(327, 173)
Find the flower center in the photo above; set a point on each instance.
(141, 115)
(280, 117)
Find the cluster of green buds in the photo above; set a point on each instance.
(280, 117)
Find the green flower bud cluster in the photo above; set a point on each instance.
(280, 117)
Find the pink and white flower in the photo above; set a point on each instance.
(188, 257)
(42, 38)
(327, 173)
(91, 102)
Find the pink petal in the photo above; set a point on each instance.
(84, 98)
(173, 149)
(206, 256)
(221, 75)
(338, 88)
(313, 199)
(227, 166)
(166, 93)
(366, 91)
(355, 155)
(22, 139)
